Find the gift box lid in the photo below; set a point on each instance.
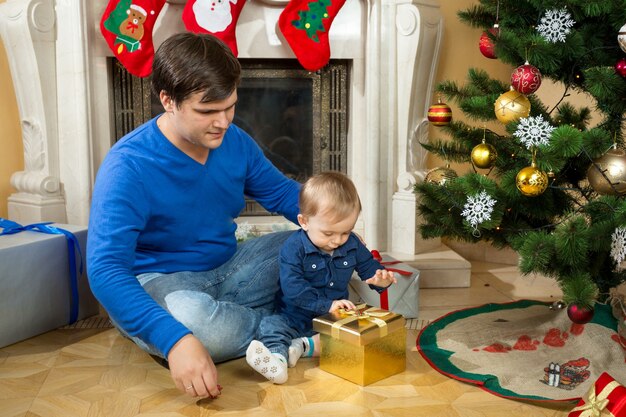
(30, 237)
(359, 327)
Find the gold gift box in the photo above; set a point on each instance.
(362, 348)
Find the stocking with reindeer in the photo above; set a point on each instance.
(127, 27)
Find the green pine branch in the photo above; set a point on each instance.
(565, 232)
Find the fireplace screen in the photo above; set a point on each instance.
(298, 118)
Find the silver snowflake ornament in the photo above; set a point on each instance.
(618, 245)
(555, 25)
(534, 131)
(478, 208)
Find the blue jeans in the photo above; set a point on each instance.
(222, 307)
(276, 333)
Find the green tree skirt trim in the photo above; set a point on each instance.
(439, 358)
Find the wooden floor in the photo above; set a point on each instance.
(93, 372)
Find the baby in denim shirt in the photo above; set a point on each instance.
(316, 264)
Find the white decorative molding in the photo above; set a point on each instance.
(34, 152)
(419, 28)
(27, 28)
(368, 174)
(417, 154)
(42, 15)
(33, 182)
(405, 182)
(74, 105)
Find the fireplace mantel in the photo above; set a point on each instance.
(57, 58)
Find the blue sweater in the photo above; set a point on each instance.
(154, 209)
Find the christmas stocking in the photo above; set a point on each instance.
(305, 25)
(217, 17)
(127, 28)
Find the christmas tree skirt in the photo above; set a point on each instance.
(525, 349)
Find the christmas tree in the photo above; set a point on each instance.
(548, 184)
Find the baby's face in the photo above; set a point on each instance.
(326, 232)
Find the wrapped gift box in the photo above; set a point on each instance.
(605, 398)
(401, 298)
(35, 286)
(362, 348)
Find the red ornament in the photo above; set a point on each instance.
(526, 78)
(487, 48)
(578, 314)
(620, 67)
(439, 114)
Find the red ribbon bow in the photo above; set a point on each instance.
(132, 26)
(379, 258)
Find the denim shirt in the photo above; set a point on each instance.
(311, 279)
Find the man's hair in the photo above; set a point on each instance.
(331, 192)
(187, 63)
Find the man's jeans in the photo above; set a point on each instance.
(222, 307)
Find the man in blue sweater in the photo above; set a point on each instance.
(162, 254)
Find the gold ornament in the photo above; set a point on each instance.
(440, 175)
(531, 181)
(612, 165)
(484, 155)
(511, 106)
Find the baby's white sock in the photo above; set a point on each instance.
(295, 351)
(300, 347)
(272, 366)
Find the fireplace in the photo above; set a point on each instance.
(59, 65)
(297, 117)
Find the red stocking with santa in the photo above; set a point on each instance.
(305, 25)
(217, 17)
(127, 28)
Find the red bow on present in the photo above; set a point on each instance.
(606, 397)
(379, 258)
(384, 297)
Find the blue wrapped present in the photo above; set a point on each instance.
(43, 283)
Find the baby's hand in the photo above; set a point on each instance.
(383, 278)
(345, 304)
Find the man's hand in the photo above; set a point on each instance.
(192, 368)
(345, 304)
(382, 278)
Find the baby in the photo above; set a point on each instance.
(316, 264)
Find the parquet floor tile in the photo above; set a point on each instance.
(81, 371)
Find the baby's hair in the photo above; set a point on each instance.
(331, 192)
